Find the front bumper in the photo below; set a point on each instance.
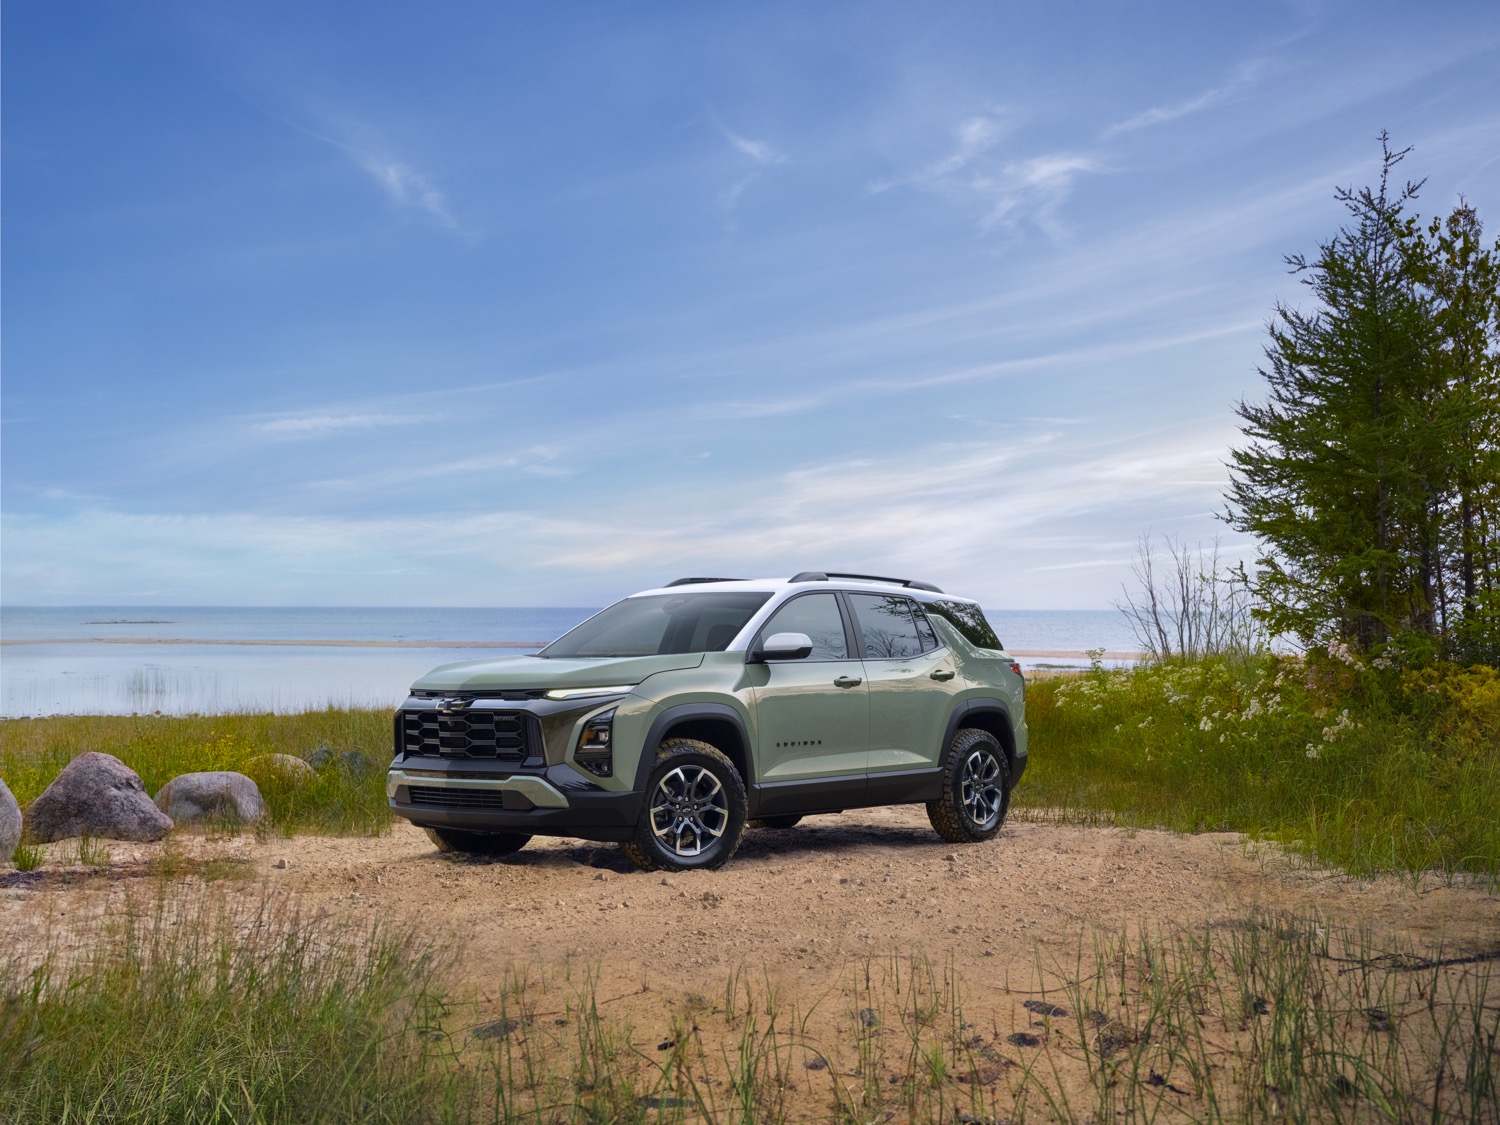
(556, 802)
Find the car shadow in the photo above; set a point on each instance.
(760, 847)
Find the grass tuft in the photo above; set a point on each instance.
(226, 1013)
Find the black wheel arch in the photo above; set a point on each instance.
(717, 724)
(989, 715)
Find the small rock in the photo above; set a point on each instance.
(709, 898)
(212, 795)
(868, 1017)
(1023, 1039)
(320, 757)
(281, 767)
(10, 823)
(816, 1064)
(951, 857)
(1042, 1008)
(280, 865)
(1113, 1035)
(666, 1044)
(601, 878)
(1380, 1019)
(354, 763)
(495, 1029)
(99, 795)
(668, 881)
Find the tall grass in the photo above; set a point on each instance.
(339, 800)
(1370, 769)
(215, 1013)
(205, 1012)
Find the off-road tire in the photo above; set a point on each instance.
(791, 820)
(724, 808)
(457, 840)
(975, 775)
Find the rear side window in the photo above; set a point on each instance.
(889, 625)
(969, 620)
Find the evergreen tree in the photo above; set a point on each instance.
(1336, 481)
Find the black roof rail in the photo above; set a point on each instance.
(824, 576)
(695, 581)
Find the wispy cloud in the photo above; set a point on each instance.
(1244, 77)
(403, 184)
(759, 151)
(1005, 190)
(319, 425)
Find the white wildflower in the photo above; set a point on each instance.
(1312, 751)
(1206, 724)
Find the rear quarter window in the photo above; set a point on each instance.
(969, 620)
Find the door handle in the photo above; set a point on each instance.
(847, 681)
(941, 674)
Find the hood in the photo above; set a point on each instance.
(538, 672)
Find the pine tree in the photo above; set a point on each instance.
(1341, 478)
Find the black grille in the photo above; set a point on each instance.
(456, 798)
(505, 736)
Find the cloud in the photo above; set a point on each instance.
(318, 425)
(404, 185)
(1245, 76)
(759, 151)
(1004, 191)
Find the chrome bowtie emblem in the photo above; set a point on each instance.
(448, 706)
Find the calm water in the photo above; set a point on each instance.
(78, 675)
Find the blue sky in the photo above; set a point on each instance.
(501, 304)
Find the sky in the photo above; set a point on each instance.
(366, 303)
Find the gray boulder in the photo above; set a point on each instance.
(98, 795)
(10, 823)
(351, 762)
(215, 795)
(284, 767)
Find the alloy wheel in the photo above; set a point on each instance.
(689, 811)
(979, 788)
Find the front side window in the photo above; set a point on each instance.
(659, 624)
(889, 625)
(818, 616)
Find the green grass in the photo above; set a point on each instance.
(1371, 770)
(215, 1013)
(159, 748)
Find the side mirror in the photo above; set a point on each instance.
(783, 646)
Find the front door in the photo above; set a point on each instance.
(812, 716)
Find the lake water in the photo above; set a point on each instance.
(81, 659)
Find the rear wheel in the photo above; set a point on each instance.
(695, 810)
(457, 840)
(976, 789)
(781, 822)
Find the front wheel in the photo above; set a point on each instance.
(695, 810)
(976, 789)
(458, 841)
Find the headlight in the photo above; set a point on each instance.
(585, 692)
(595, 751)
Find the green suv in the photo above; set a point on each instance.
(677, 717)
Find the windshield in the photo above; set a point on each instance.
(658, 624)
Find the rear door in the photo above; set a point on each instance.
(912, 677)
